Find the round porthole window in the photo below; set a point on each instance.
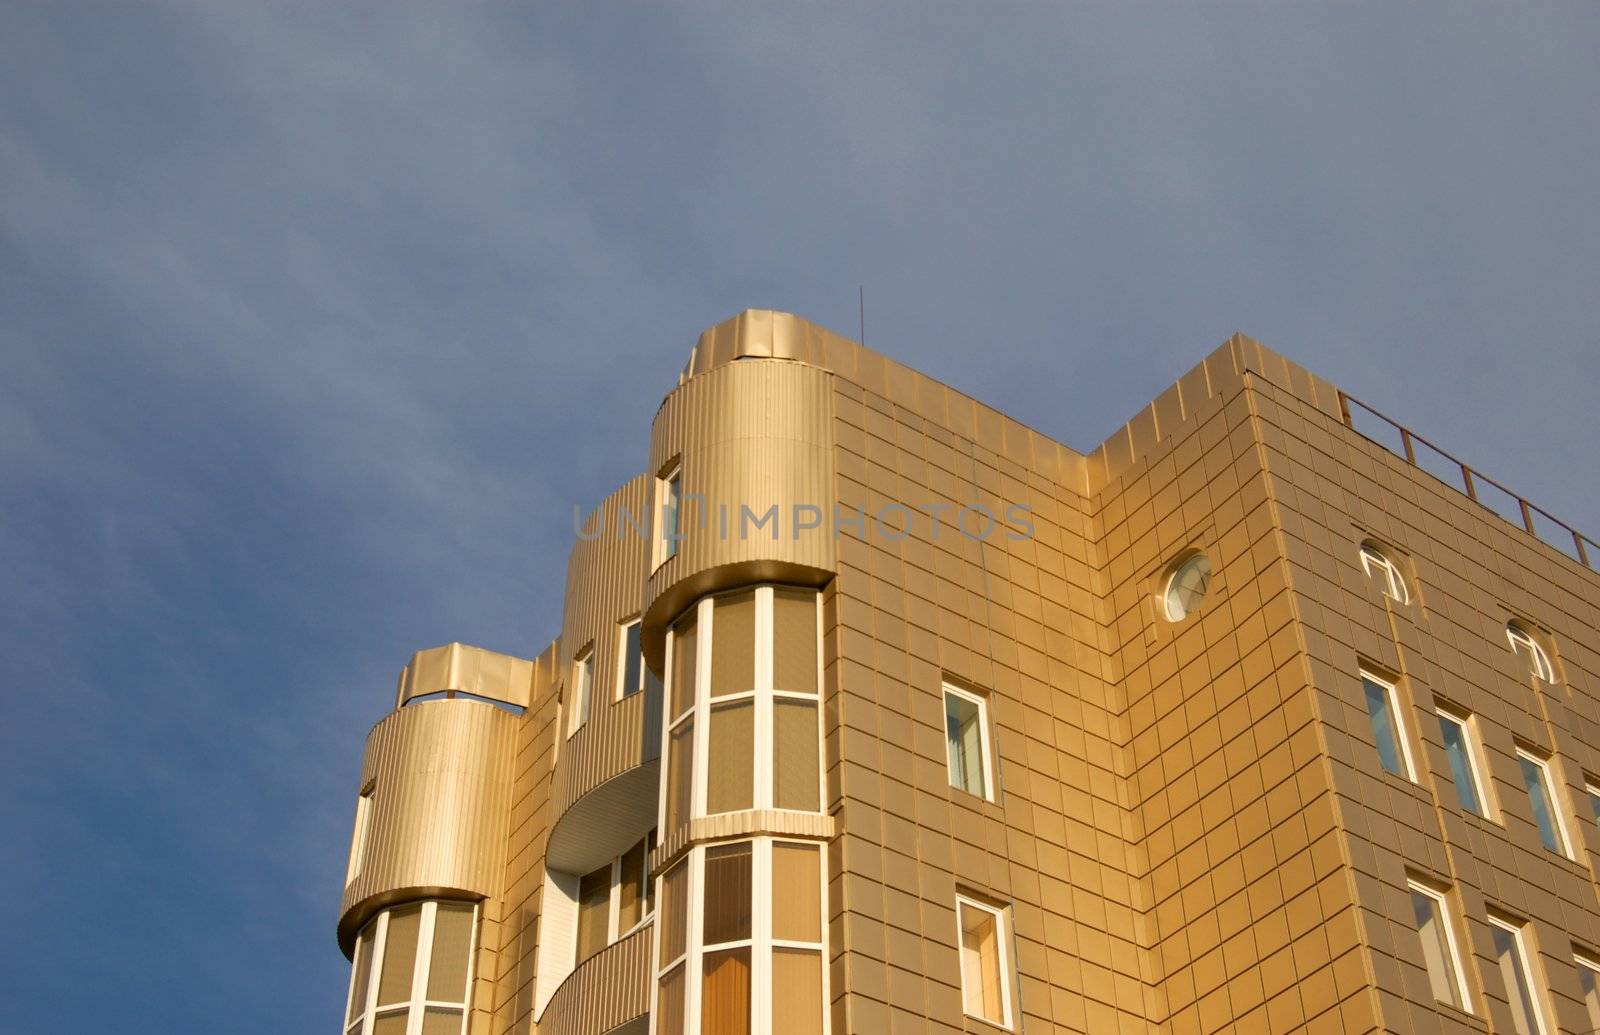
(1187, 587)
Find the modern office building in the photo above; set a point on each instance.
(875, 711)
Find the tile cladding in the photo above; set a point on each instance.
(1193, 832)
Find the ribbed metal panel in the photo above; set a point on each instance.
(608, 989)
(754, 433)
(442, 775)
(605, 586)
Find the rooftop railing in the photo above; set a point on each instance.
(1479, 487)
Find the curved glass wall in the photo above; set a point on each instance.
(412, 971)
(741, 927)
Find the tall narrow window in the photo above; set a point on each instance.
(1530, 650)
(1439, 953)
(985, 969)
(1542, 800)
(633, 877)
(358, 835)
(594, 912)
(1462, 750)
(726, 937)
(1511, 953)
(1385, 572)
(413, 967)
(1589, 981)
(796, 735)
(1388, 730)
(582, 690)
(632, 673)
(669, 506)
(966, 729)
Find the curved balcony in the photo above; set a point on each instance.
(606, 991)
(439, 775)
(754, 434)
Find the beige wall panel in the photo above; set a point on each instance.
(442, 776)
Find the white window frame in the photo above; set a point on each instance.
(1525, 961)
(760, 943)
(666, 548)
(1587, 961)
(1447, 917)
(1592, 791)
(1394, 583)
(1475, 758)
(1002, 957)
(986, 745)
(763, 694)
(418, 1003)
(582, 689)
(360, 833)
(1169, 583)
(622, 691)
(1402, 732)
(1547, 779)
(1537, 657)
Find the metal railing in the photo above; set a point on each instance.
(1479, 487)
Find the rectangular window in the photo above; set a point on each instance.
(358, 835)
(1594, 799)
(594, 912)
(985, 968)
(1589, 981)
(1388, 730)
(669, 505)
(582, 690)
(966, 727)
(1511, 953)
(1542, 799)
(630, 661)
(632, 876)
(1461, 747)
(1440, 956)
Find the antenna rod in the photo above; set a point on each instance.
(863, 288)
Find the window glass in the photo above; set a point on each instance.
(669, 1021)
(1589, 980)
(683, 662)
(671, 508)
(594, 912)
(630, 896)
(1438, 954)
(797, 991)
(725, 992)
(730, 772)
(358, 988)
(680, 756)
(582, 690)
(632, 660)
(358, 837)
(1463, 765)
(674, 912)
(796, 755)
(733, 644)
(1594, 801)
(1385, 728)
(1187, 587)
(441, 1020)
(794, 641)
(1536, 778)
(1518, 983)
(452, 949)
(1524, 644)
(963, 719)
(982, 983)
(399, 956)
(392, 1023)
(727, 893)
(1386, 573)
(796, 892)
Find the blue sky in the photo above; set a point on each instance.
(317, 320)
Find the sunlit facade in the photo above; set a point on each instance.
(875, 711)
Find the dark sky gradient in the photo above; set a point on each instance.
(317, 320)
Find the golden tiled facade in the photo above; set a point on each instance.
(875, 711)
